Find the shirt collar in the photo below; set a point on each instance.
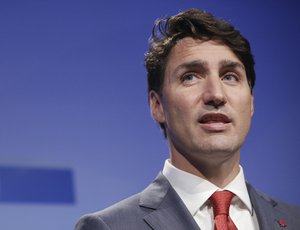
(191, 188)
(239, 188)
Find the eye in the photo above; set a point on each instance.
(188, 78)
(230, 77)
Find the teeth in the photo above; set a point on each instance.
(214, 119)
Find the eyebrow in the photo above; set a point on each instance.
(231, 64)
(197, 64)
(203, 65)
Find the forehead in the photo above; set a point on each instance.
(189, 49)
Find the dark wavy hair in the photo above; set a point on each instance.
(197, 24)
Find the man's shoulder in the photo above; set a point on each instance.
(122, 212)
(283, 206)
(130, 212)
(122, 207)
(272, 211)
(276, 203)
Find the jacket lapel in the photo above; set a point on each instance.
(268, 215)
(168, 211)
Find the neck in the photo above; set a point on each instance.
(219, 170)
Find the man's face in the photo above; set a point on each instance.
(206, 103)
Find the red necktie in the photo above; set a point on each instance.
(221, 202)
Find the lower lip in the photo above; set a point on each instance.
(215, 127)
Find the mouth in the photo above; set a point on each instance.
(215, 122)
(214, 118)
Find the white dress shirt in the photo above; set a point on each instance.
(195, 192)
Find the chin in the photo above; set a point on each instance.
(223, 147)
(221, 142)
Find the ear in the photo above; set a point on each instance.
(252, 105)
(156, 107)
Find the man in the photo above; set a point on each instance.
(200, 84)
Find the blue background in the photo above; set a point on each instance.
(73, 95)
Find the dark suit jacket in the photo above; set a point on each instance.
(159, 207)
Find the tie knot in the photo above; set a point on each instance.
(221, 202)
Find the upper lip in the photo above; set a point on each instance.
(214, 117)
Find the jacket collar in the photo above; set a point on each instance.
(168, 211)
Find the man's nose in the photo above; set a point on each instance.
(214, 94)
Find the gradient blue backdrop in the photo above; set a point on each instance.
(73, 95)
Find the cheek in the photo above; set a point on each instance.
(244, 104)
(178, 109)
(181, 106)
(245, 111)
